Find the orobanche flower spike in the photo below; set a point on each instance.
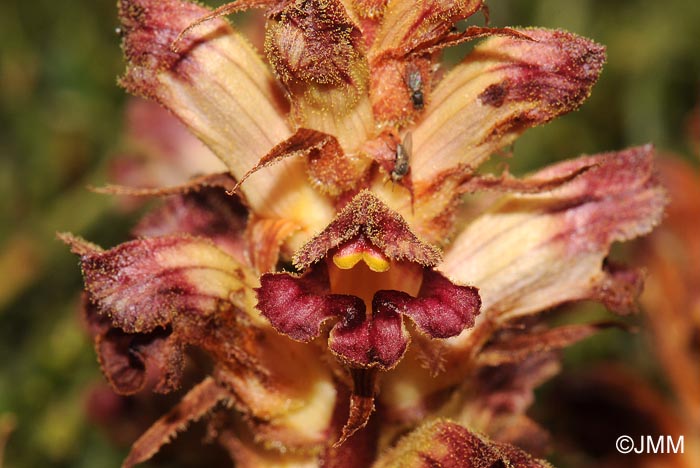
(350, 313)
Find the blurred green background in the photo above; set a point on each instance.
(61, 119)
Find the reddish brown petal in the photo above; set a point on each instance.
(380, 340)
(400, 89)
(448, 445)
(197, 403)
(126, 359)
(441, 310)
(401, 83)
(619, 288)
(386, 229)
(361, 408)
(144, 283)
(78, 245)
(298, 307)
(503, 87)
(332, 171)
(532, 252)
(551, 246)
(281, 409)
(431, 210)
(258, 365)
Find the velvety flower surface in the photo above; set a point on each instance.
(327, 274)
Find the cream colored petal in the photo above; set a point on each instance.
(532, 252)
(221, 89)
(503, 87)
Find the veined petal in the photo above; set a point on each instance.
(435, 209)
(503, 87)
(447, 444)
(143, 284)
(297, 307)
(441, 310)
(532, 252)
(380, 341)
(219, 87)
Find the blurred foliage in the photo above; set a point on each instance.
(61, 119)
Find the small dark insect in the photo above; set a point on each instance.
(403, 153)
(414, 82)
